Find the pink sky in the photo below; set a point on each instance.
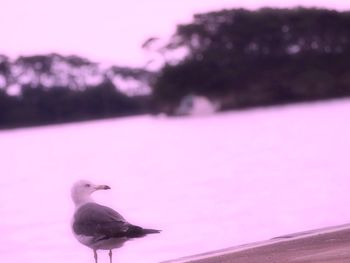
(108, 31)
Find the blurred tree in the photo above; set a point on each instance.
(5, 72)
(54, 88)
(249, 58)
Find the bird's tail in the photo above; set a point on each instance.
(151, 231)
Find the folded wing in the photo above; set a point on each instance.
(102, 222)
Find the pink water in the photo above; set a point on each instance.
(208, 182)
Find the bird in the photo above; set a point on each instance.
(100, 227)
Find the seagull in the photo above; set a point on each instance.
(98, 226)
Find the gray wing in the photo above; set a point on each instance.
(103, 222)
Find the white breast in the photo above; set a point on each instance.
(85, 240)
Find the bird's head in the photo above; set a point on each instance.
(82, 190)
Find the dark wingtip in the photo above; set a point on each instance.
(152, 231)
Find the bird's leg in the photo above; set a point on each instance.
(95, 256)
(110, 256)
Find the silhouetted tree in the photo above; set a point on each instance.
(5, 72)
(54, 88)
(247, 58)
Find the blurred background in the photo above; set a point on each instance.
(220, 122)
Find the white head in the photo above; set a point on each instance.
(82, 190)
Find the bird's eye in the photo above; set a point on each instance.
(87, 185)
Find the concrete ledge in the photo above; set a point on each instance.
(329, 245)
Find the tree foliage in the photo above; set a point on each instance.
(246, 58)
(237, 57)
(52, 88)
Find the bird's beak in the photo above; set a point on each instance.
(102, 187)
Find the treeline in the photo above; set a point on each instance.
(37, 106)
(244, 58)
(45, 89)
(237, 58)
